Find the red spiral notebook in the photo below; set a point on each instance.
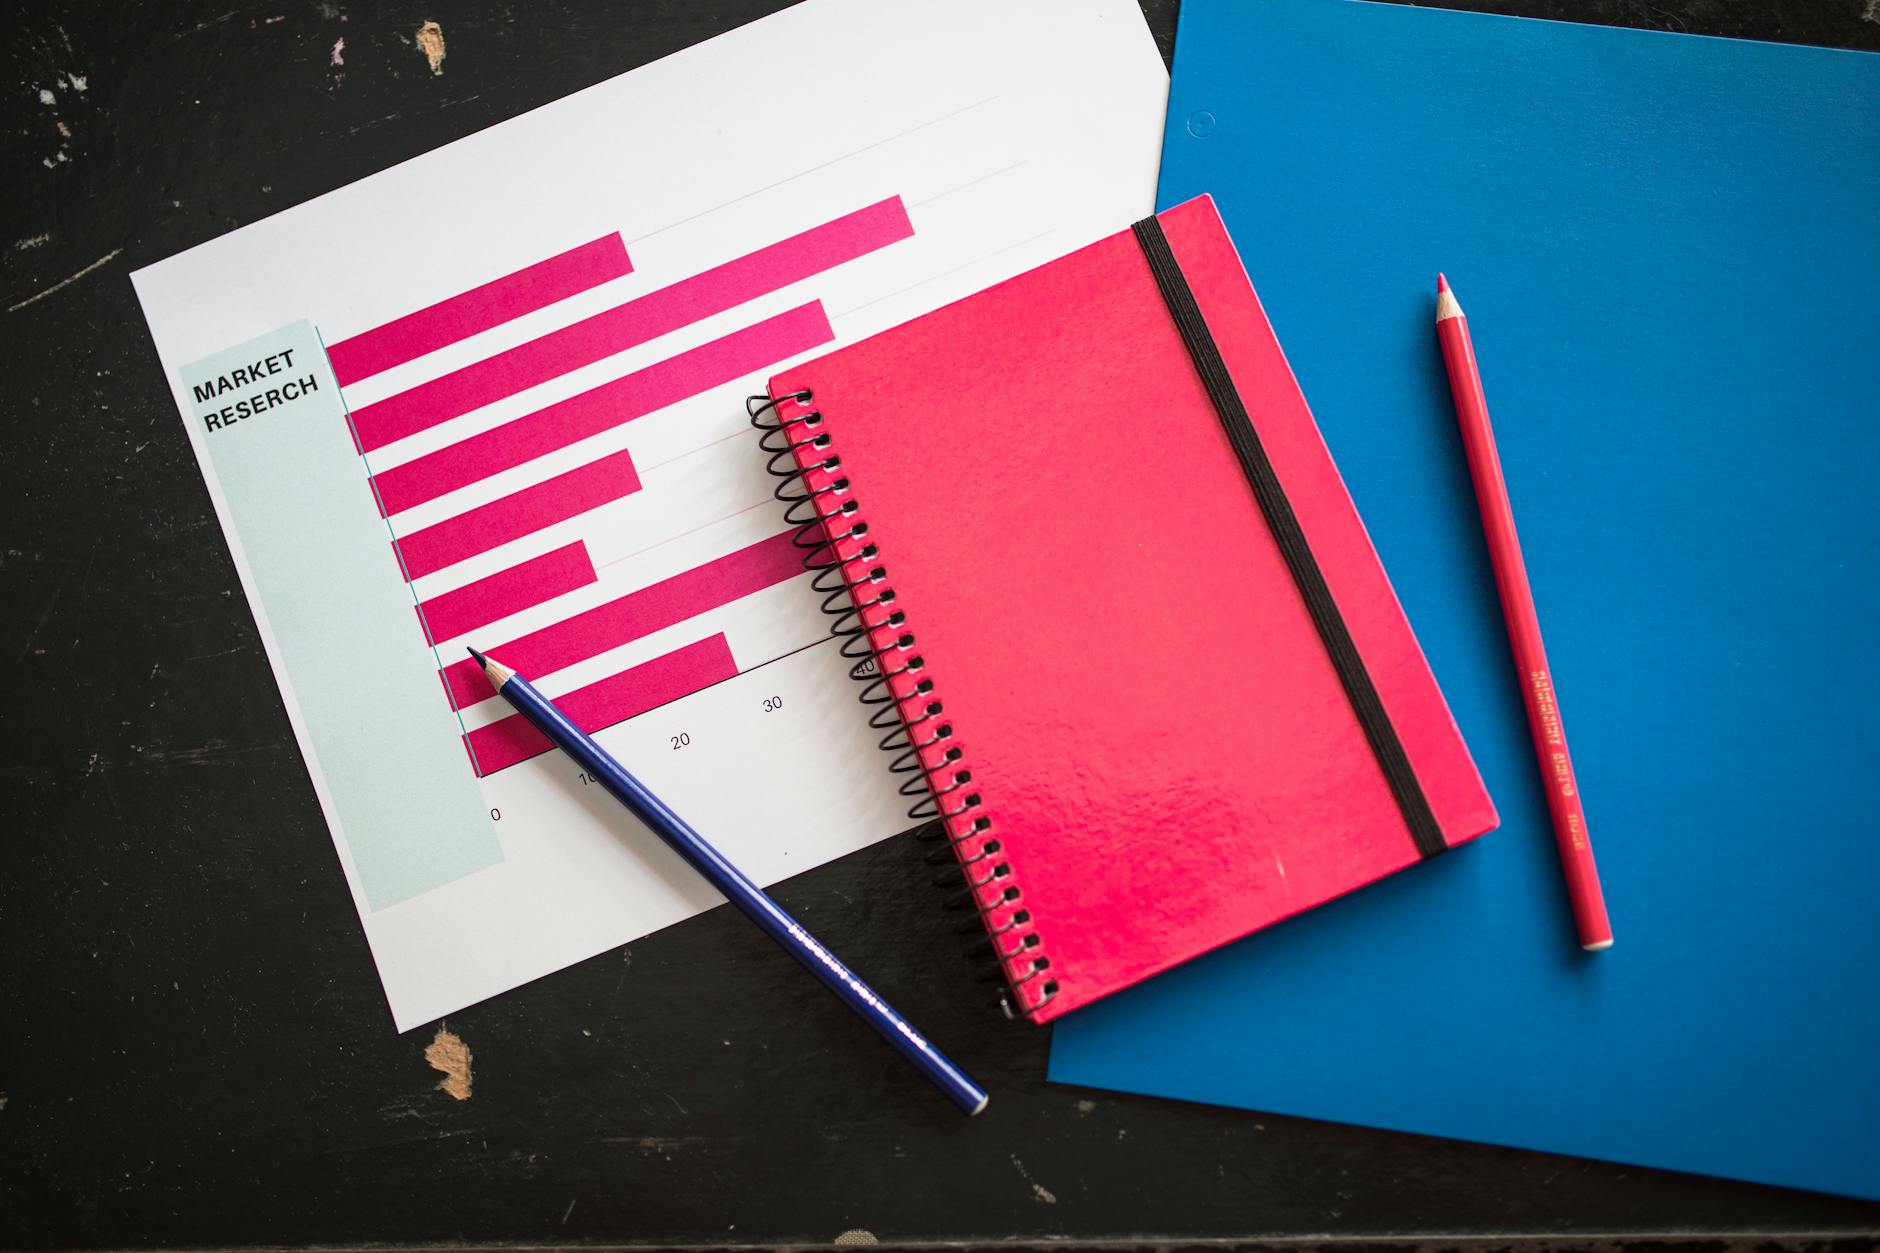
(1115, 612)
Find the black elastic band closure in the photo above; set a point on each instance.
(1284, 523)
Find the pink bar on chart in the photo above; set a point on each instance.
(613, 699)
(699, 369)
(696, 591)
(517, 514)
(723, 287)
(478, 309)
(449, 614)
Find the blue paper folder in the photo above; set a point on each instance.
(1669, 251)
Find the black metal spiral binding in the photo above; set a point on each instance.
(912, 723)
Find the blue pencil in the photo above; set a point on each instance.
(729, 880)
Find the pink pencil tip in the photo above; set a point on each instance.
(1442, 284)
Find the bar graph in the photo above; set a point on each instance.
(697, 370)
(479, 309)
(635, 322)
(509, 740)
(517, 515)
(522, 586)
(564, 568)
(638, 613)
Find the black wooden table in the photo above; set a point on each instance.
(193, 1046)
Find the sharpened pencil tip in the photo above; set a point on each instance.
(495, 671)
(1446, 306)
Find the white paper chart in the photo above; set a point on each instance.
(494, 397)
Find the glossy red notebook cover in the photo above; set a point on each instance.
(1110, 675)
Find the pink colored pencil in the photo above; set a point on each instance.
(1524, 628)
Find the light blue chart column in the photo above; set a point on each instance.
(386, 741)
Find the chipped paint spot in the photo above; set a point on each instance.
(448, 1053)
(17, 305)
(1872, 12)
(21, 245)
(65, 130)
(430, 41)
(1086, 1107)
(78, 82)
(1039, 1193)
(339, 48)
(46, 96)
(855, 1237)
